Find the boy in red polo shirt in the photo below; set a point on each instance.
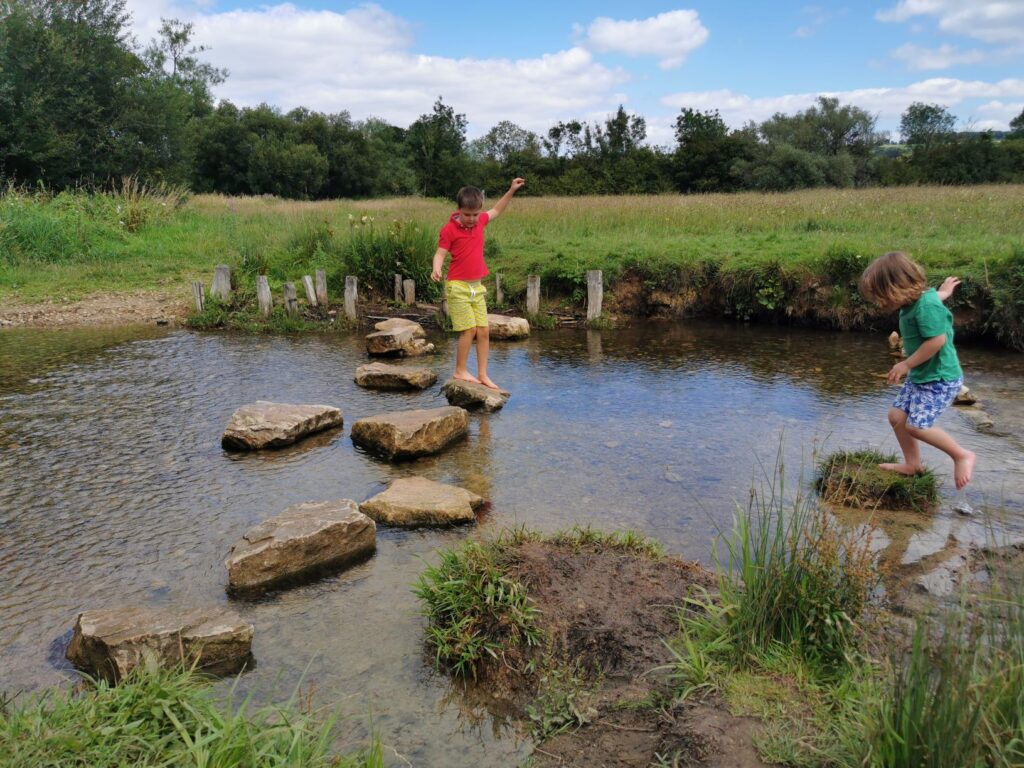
(463, 238)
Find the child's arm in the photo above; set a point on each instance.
(439, 255)
(948, 286)
(928, 349)
(500, 206)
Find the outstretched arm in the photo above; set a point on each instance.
(948, 286)
(500, 206)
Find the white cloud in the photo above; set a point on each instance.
(943, 57)
(670, 36)
(993, 21)
(888, 103)
(363, 61)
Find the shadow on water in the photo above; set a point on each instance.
(114, 489)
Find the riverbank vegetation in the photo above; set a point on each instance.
(165, 718)
(789, 633)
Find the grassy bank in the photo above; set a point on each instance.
(793, 256)
(165, 718)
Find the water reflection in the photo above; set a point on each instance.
(114, 488)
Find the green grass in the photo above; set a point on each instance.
(853, 479)
(793, 255)
(165, 718)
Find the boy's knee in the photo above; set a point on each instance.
(897, 418)
(469, 333)
(483, 332)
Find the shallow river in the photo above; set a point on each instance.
(114, 488)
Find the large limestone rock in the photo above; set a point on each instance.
(397, 377)
(407, 434)
(111, 643)
(466, 394)
(419, 501)
(398, 338)
(273, 425)
(306, 540)
(505, 327)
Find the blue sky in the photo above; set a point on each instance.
(539, 62)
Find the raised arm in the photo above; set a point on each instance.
(500, 206)
(948, 286)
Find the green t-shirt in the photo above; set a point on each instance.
(927, 318)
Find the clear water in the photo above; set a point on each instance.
(114, 489)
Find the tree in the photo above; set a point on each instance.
(437, 142)
(924, 125)
(706, 152)
(173, 47)
(1017, 126)
(505, 140)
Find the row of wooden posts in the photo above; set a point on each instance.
(405, 292)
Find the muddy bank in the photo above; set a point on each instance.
(604, 614)
(118, 309)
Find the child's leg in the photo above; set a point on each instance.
(963, 460)
(908, 444)
(462, 348)
(483, 348)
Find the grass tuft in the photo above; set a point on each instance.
(853, 479)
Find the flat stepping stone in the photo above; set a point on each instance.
(413, 501)
(505, 327)
(408, 434)
(398, 338)
(466, 394)
(305, 541)
(394, 377)
(273, 425)
(111, 643)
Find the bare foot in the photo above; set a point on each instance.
(486, 381)
(962, 469)
(466, 377)
(903, 469)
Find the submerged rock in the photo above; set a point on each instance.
(943, 579)
(304, 541)
(398, 338)
(273, 425)
(418, 501)
(111, 643)
(407, 434)
(505, 327)
(977, 417)
(466, 394)
(394, 377)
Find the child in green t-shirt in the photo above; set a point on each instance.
(894, 281)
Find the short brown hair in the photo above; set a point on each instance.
(893, 280)
(470, 198)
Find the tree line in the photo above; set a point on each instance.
(81, 104)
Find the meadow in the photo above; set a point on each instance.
(789, 256)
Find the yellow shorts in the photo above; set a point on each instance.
(466, 305)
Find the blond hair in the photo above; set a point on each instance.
(893, 280)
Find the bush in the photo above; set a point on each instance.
(1006, 320)
(376, 253)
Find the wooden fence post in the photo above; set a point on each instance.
(221, 287)
(399, 292)
(321, 288)
(533, 295)
(198, 295)
(307, 283)
(595, 294)
(499, 294)
(409, 288)
(266, 301)
(351, 294)
(291, 300)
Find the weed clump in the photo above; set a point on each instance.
(853, 479)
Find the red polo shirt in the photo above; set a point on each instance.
(466, 245)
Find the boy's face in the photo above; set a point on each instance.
(468, 216)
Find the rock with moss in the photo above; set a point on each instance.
(412, 501)
(111, 643)
(273, 425)
(854, 479)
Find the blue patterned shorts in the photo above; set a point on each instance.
(924, 402)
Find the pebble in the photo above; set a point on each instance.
(963, 508)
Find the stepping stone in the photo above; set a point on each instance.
(111, 643)
(418, 501)
(273, 425)
(397, 377)
(408, 434)
(398, 338)
(505, 327)
(964, 397)
(303, 542)
(466, 394)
